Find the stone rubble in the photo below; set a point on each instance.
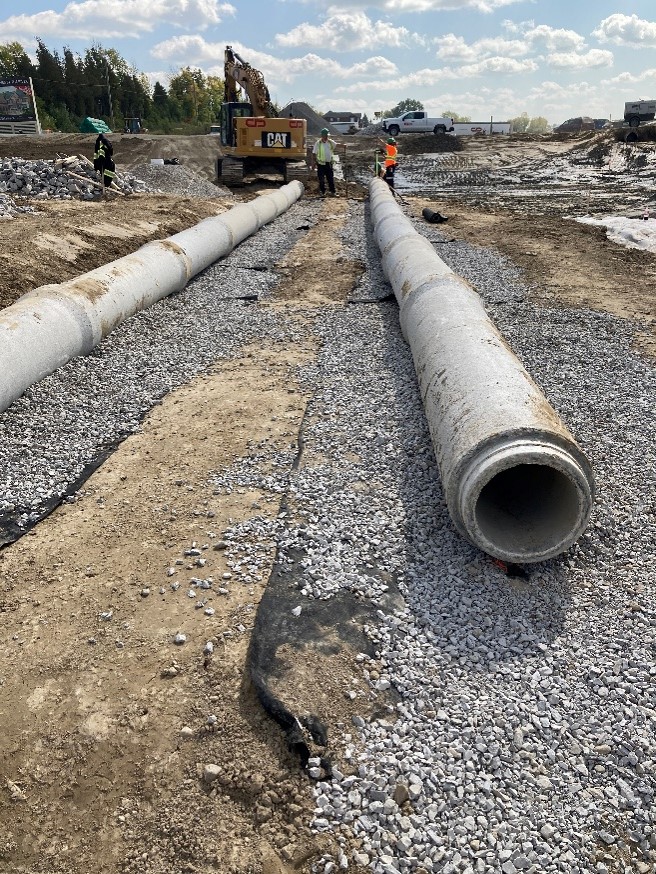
(64, 178)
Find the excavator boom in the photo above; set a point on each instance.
(240, 73)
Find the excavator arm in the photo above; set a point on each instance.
(239, 73)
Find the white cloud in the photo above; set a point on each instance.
(500, 66)
(345, 32)
(553, 38)
(455, 48)
(627, 78)
(114, 18)
(400, 6)
(194, 51)
(574, 61)
(375, 66)
(627, 30)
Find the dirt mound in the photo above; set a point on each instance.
(421, 144)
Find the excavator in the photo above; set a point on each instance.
(255, 141)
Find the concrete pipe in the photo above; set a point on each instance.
(49, 326)
(515, 481)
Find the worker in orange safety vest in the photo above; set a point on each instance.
(389, 165)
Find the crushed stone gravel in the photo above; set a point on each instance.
(524, 736)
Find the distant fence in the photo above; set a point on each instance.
(16, 128)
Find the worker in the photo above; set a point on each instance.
(388, 167)
(103, 161)
(323, 155)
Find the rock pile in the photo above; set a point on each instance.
(176, 179)
(65, 178)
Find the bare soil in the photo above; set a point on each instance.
(104, 721)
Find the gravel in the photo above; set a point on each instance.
(175, 179)
(523, 734)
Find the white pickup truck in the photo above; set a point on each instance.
(641, 110)
(417, 122)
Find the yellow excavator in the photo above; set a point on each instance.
(255, 141)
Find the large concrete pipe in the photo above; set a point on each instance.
(515, 481)
(47, 327)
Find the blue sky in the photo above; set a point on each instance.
(481, 58)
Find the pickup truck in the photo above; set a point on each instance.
(642, 110)
(417, 122)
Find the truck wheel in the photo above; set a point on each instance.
(634, 121)
(393, 130)
(439, 129)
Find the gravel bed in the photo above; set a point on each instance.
(524, 736)
(175, 179)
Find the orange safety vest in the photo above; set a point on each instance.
(390, 157)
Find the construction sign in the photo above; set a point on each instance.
(18, 113)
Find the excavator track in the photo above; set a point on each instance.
(232, 171)
(296, 170)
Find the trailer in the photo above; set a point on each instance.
(641, 110)
(480, 128)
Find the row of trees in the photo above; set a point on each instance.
(101, 84)
(521, 124)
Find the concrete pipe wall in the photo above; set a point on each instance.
(515, 481)
(47, 327)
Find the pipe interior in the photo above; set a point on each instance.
(528, 509)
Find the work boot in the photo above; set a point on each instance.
(334, 194)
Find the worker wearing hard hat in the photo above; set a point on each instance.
(323, 156)
(389, 165)
(103, 161)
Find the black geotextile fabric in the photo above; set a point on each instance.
(327, 626)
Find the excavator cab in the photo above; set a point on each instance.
(230, 112)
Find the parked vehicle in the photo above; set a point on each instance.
(417, 122)
(641, 110)
(480, 128)
(575, 125)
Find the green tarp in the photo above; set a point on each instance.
(94, 126)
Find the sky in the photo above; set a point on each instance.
(479, 58)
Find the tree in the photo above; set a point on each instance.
(520, 123)
(537, 125)
(49, 79)
(14, 63)
(216, 94)
(74, 76)
(407, 105)
(188, 89)
(447, 113)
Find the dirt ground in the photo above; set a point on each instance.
(106, 736)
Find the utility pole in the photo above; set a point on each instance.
(109, 93)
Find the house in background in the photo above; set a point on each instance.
(344, 122)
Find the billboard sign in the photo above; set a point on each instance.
(17, 100)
